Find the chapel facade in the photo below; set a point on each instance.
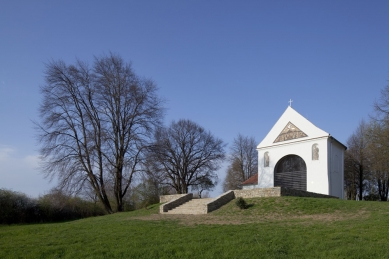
(296, 154)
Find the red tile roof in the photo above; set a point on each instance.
(252, 180)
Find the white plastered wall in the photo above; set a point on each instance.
(249, 187)
(317, 176)
(336, 165)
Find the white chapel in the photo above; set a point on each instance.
(296, 154)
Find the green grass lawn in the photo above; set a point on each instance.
(284, 227)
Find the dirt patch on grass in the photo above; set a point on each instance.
(246, 219)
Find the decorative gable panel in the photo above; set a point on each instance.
(290, 132)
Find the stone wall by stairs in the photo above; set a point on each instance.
(277, 192)
(220, 201)
(173, 203)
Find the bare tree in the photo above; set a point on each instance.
(96, 124)
(243, 162)
(233, 180)
(367, 159)
(379, 144)
(357, 159)
(378, 148)
(188, 155)
(350, 176)
(381, 106)
(206, 184)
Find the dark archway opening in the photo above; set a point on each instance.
(291, 172)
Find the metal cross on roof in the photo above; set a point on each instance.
(290, 102)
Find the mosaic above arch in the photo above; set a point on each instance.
(290, 132)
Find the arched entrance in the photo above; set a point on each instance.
(291, 172)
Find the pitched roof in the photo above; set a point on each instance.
(252, 180)
(290, 127)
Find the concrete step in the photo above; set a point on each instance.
(194, 206)
(185, 212)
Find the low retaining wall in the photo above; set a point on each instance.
(258, 192)
(220, 201)
(181, 199)
(277, 192)
(167, 198)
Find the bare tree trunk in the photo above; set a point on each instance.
(361, 178)
(383, 189)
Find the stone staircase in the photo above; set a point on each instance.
(194, 206)
(185, 204)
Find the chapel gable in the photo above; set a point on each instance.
(290, 132)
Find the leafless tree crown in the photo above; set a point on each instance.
(188, 156)
(243, 162)
(95, 124)
(366, 160)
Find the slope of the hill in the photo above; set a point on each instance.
(285, 227)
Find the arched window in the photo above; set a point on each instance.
(266, 159)
(291, 172)
(315, 152)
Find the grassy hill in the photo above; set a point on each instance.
(284, 227)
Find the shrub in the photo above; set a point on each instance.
(371, 197)
(58, 206)
(16, 208)
(241, 203)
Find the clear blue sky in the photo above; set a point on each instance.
(230, 66)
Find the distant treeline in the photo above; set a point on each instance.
(16, 208)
